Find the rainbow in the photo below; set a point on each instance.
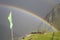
(30, 13)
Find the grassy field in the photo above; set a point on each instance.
(45, 36)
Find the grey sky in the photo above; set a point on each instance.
(39, 7)
(23, 23)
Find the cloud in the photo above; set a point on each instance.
(53, 2)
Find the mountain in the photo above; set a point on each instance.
(53, 16)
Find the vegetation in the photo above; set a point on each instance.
(45, 36)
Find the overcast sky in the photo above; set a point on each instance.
(39, 7)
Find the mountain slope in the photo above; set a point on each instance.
(54, 16)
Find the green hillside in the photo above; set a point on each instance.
(45, 36)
